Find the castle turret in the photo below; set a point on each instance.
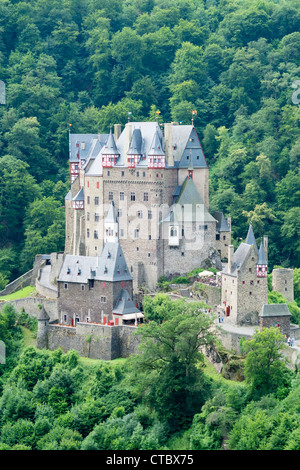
(250, 239)
(262, 264)
(42, 333)
(110, 153)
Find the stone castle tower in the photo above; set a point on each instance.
(244, 281)
(158, 184)
(283, 282)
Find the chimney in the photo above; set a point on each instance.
(117, 131)
(265, 244)
(128, 135)
(230, 258)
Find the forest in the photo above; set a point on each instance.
(166, 397)
(82, 65)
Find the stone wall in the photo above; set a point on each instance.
(22, 281)
(94, 341)
(31, 306)
(282, 321)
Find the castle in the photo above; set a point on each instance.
(158, 184)
(138, 209)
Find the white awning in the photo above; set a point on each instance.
(132, 316)
(206, 273)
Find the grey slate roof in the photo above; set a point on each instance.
(274, 310)
(261, 255)
(79, 196)
(76, 152)
(222, 225)
(135, 147)
(110, 147)
(238, 259)
(156, 148)
(125, 304)
(189, 205)
(43, 315)
(189, 149)
(110, 265)
(250, 239)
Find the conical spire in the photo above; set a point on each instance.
(250, 239)
(261, 255)
(156, 146)
(110, 147)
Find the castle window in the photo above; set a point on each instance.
(96, 217)
(121, 196)
(119, 213)
(87, 216)
(149, 215)
(65, 318)
(144, 174)
(136, 233)
(132, 196)
(82, 286)
(137, 173)
(103, 285)
(252, 283)
(122, 173)
(243, 282)
(88, 233)
(149, 254)
(250, 293)
(66, 285)
(88, 200)
(88, 184)
(217, 236)
(257, 282)
(121, 233)
(108, 173)
(91, 284)
(140, 214)
(95, 233)
(96, 201)
(224, 237)
(97, 184)
(110, 196)
(250, 270)
(182, 253)
(103, 299)
(149, 237)
(146, 197)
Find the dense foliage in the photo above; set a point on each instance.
(162, 398)
(89, 63)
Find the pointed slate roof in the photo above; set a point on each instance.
(250, 239)
(238, 259)
(186, 139)
(261, 255)
(43, 315)
(125, 304)
(189, 205)
(135, 147)
(111, 214)
(79, 196)
(156, 148)
(110, 147)
(112, 265)
(222, 225)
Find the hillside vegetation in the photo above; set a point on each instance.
(83, 65)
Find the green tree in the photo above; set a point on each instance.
(265, 367)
